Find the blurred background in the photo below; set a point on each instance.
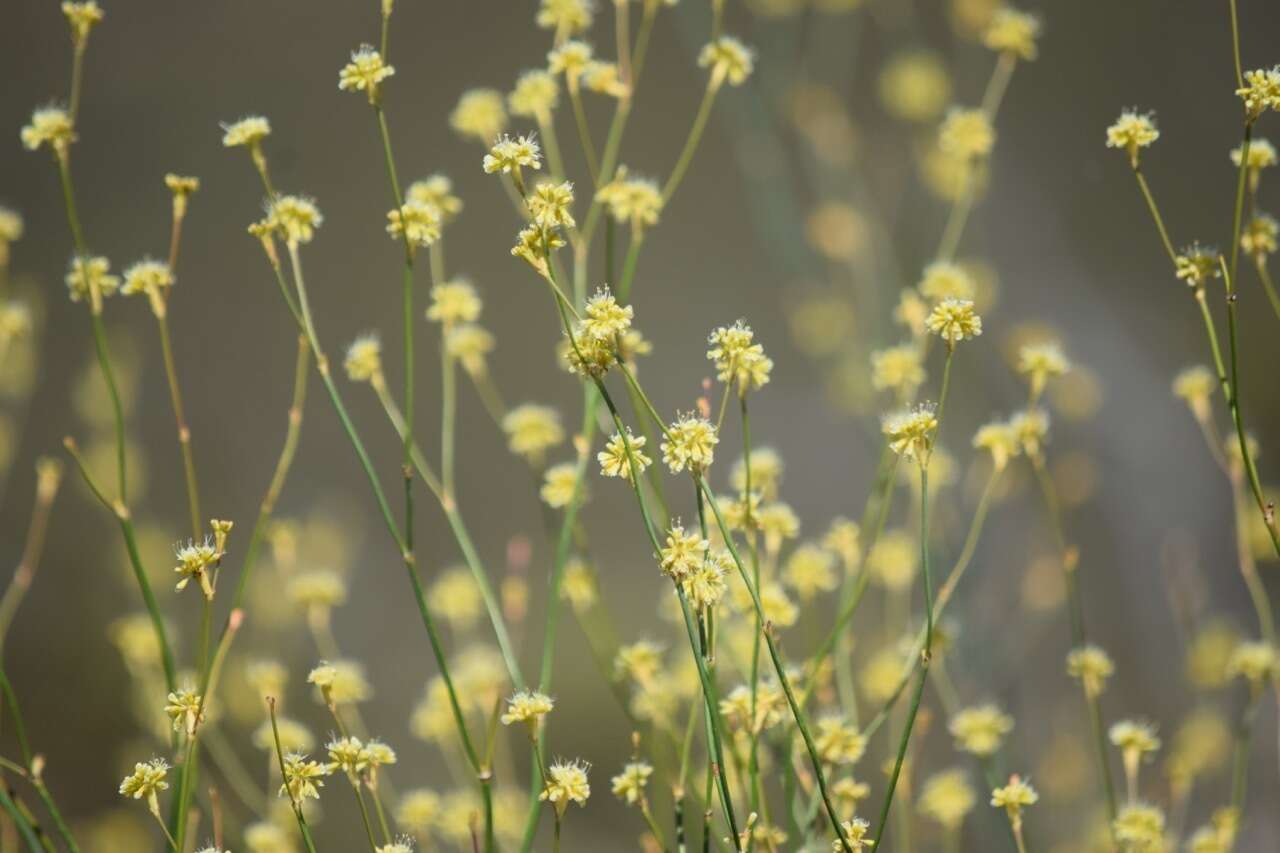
(811, 203)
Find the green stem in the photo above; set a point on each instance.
(584, 132)
(690, 143)
(184, 432)
(284, 779)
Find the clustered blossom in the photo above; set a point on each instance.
(248, 131)
(605, 319)
(954, 320)
(1197, 264)
(1132, 132)
(436, 191)
(910, 432)
(1092, 666)
(1259, 236)
(415, 221)
(1000, 440)
(637, 201)
(967, 134)
(1040, 363)
(683, 552)
(82, 17)
(480, 114)
(980, 730)
(1013, 32)
(570, 59)
(527, 706)
(690, 443)
(303, 778)
(186, 708)
(1261, 91)
(509, 156)
(91, 278)
(295, 217)
(629, 785)
(365, 73)
(566, 783)
(566, 17)
(50, 126)
(728, 59)
(737, 357)
(551, 204)
(705, 585)
(146, 781)
(363, 362)
(454, 302)
(614, 460)
(532, 430)
(536, 95)
(1013, 798)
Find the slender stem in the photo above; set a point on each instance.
(1240, 754)
(284, 778)
(584, 132)
(691, 142)
(1104, 761)
(48, 479)
(1155, 213)
(184, 432)
(1260, 261)
(1235, 43)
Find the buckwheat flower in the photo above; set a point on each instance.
(566, 17)
(566, 783)
(838, 741)
(294, 736)
(266, 677)
(1261, 91)
(1032, 428)
(1140, 828)
(469, 343)
(897, 369)
(778, 608)
(1196, 264)
(728, 59)
(1000, 440)
(638, 662)
(914, 85)
(532, 430)
(629, 785)
(456, 595)
(82, 16)
(1092, 666)
(1255, 661)
(771, 705)
(11, 228)
(893, 560)
(416, 222)
(400, 845)
(185, 709)
(737, 357)
(844, 539)
(947, 797)
(1259, 236)
(1133, 131)
(954, 320)
(848, 792)
(766, 472)
(195, 560)
(571, 59)
(436, 191)
(741, 512)
(911, 311)
(910, 432)
(944, 279)
(1013, 32)
(145, 782)
(682, 553)
(777, 521)
(365, 73)
(303, 778)
(551, 205)
(578, 587)
(966, 133)
(855, 832)
(637, 201)
(1202, 745)
(147, 276)
(690, 443)
(248, 131)
(1013, 798)
(52, 126)
(479, 114)
(363, 361)
(559, 484)
(15, 322)
(1135, 741)
(604, 78)
(536, 95)
(348, 755)
(1262, 155)
(89, 277)
(810, 570)
(1040, 363)
(296, 217)
(534, 244)
(266, 837)
(705, 584)
(585, 354)
(418, 810)
(341, 682)
(527, 706)
(614, 461)
(605, 318)
(980, 730)
(454, 302)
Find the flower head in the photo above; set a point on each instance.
(436, 191)
(838, 741)
(1259, 236)
(535, 95)
(737, 357)
(947, 797)
(614, 460)
(52, 126)
(364, 359)
(629, 785)
(966, 133)
(605, 318)
(365, 73)
(630, 199)
(1133, 131)
(810, 570)
(979, 730)
(454, 302)
(1013, 798)
(690, 443)
(195, 561)
(91, 278)
(999, 439)
(566, 17)
(532, 430)
(416, 222)
(1197, 264)
(82, 17)
(682, 553)
(1140, 828)
(728, 59)
(250, 131)
(480, 114)
(1013, 32)
(855, 832)
(571, 59)
(1254, 661)
(1261, 91)
(566, 783)
(146, 781)
(147, 276)
(954, 320)
(1262, 155)
(509, 155)
(910, 432)
(527, 706)
(296, 217)
(945, 279)
(1092, 666)
(705, 584)
(551, 204)
(1040, 363)
(897, 369)
(535, 245)
(1031, 426)
(303, 778)
(186, 708)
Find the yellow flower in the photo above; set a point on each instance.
(604, 78)
(910, 432)
(914, 86)
(1259, 236)
(1262, 155)
(186, 709)
(838, 741)
(535, 95)
(195, 560)
(943, 280)
(640, 661)
(770, 705)
(605, 318)
(91, 276)
(296, 217)
(363, 361)
(149, 277)
(614, 461)
(737, 357)
(629, 785)
(532, 430)
(954, 320)
(303, 778)
(766, 472)
(551, 205)
(349, 755)
(1140, 828)
(979, 730)
(566, 782)
(50, 126)
(947, 797)
(1013, 798)
(250, 131)
(1196, 264)
(1040, 363)
(294, 736)
(577, 585)
(456, 595)
(1092, 666)
(570, 59)
(778, 609)
(418, 811)
(436, 191)
(454, 302)
(1133, 131)
(1255, 661)
(894, 560)
(479, 114)
(998, 439)
(705, 584)
(1031, 427)
(634, 200)
(341, 682)
(527, 706)
(559, 485)
(1261, 91)
(682, 553)
(855, 832)
(11, 227)
(728, 59)
(416, 222)
(469, 344)
(844, 540)
(911, 311)
(82, 16)
(690, 443)
(565, 16)
(1013, 32)
(1135, 740)
(364, 73)
(778, 522)
(146, 781)
(897, 369)
(810, 570)
(966, 133)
